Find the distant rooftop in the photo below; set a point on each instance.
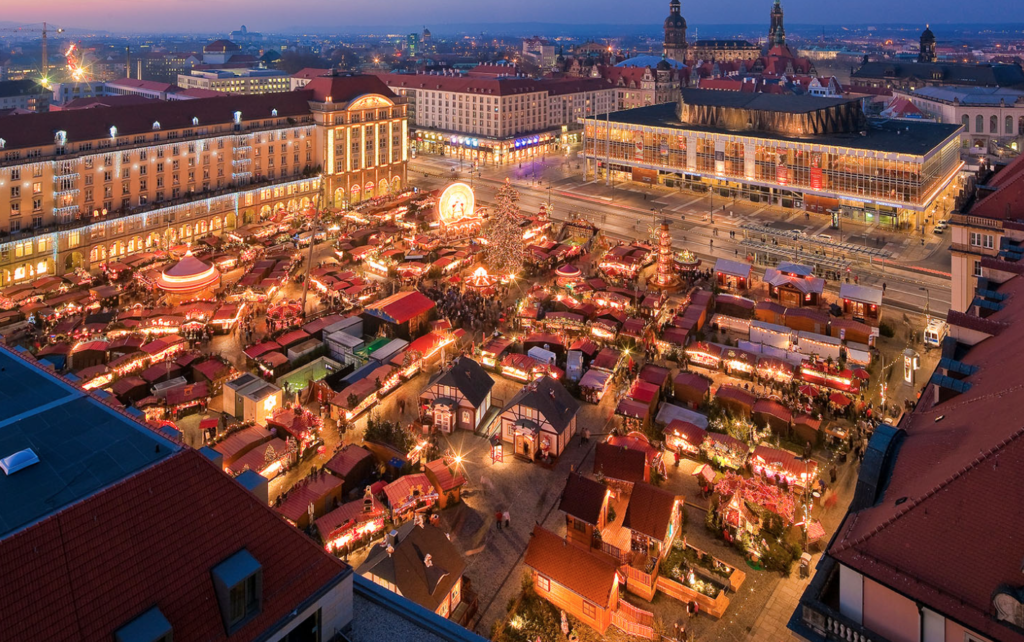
(971, 95)
(83, 445)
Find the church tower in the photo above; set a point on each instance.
(776, 32)
(675, 33)
(927, 53)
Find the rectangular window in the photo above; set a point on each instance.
(988, 242)
(977, 268)
(543, 583)
(589, 610)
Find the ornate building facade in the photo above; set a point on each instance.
(927, 52)
(776, 30)
(675, 33)
(84, 187)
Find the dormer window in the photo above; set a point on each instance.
(238, 582)
(113, 131)
(273, 112)
(156, 125)
(61, 138)
(151, 626)
(195, 121)
(238, 118)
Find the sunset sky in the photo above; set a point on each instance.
(207, 16)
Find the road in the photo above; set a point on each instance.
(625, 214)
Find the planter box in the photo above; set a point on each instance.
(736, 576)
(715, 607)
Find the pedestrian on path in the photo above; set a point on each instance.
(497, 518)
(507, 519)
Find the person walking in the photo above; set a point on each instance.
(497, 518)
(507, 519)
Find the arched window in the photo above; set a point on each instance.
(979, 124)
(1009, 125)
(993, 125)
(965, 120)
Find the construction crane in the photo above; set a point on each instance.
(44, 31)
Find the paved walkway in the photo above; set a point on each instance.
(770, 626)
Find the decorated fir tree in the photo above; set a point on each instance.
(506, 250)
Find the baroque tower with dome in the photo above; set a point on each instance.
(675, 33)
(927, 52)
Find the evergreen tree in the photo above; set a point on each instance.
(506, 251)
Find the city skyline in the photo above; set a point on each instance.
(262, 15)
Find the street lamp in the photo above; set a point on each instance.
(927, 302)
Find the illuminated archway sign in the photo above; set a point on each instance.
(457, 202)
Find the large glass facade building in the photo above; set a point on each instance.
(819, 154)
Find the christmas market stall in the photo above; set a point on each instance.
(724, 451)
(746, 508)
(739, 363)
(732, 275)
(781, 465)
(705, 355)
(410, 494)
(269, 459)
(774, 369)
(682, 437)
(494, 351)
(595, 384)
(691, 389)
(821, 373)
(309, 499)
(187, 400)
(352, 524)
(735, 400)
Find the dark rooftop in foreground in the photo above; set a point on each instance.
(884, 136)
(82, 444)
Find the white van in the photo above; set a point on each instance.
(935, 332)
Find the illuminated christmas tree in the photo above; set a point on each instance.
(506, 251)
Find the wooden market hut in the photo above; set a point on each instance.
(773, 414)
(735, 400)
(585, 504)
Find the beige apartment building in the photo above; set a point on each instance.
(987, 233)
(247, 82)
(496, 119)
(83, 187)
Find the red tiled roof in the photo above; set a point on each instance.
(304, 493)
(88, 570)
(1007, 201)
(649, 511)
(256, 459)
(960, 475)
(36, 130)
(464, 84)
(590, 575)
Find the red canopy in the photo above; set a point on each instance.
(839, 399)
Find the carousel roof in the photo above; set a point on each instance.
(568, 271)
(188, 275)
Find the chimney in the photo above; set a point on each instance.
(392, 539)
